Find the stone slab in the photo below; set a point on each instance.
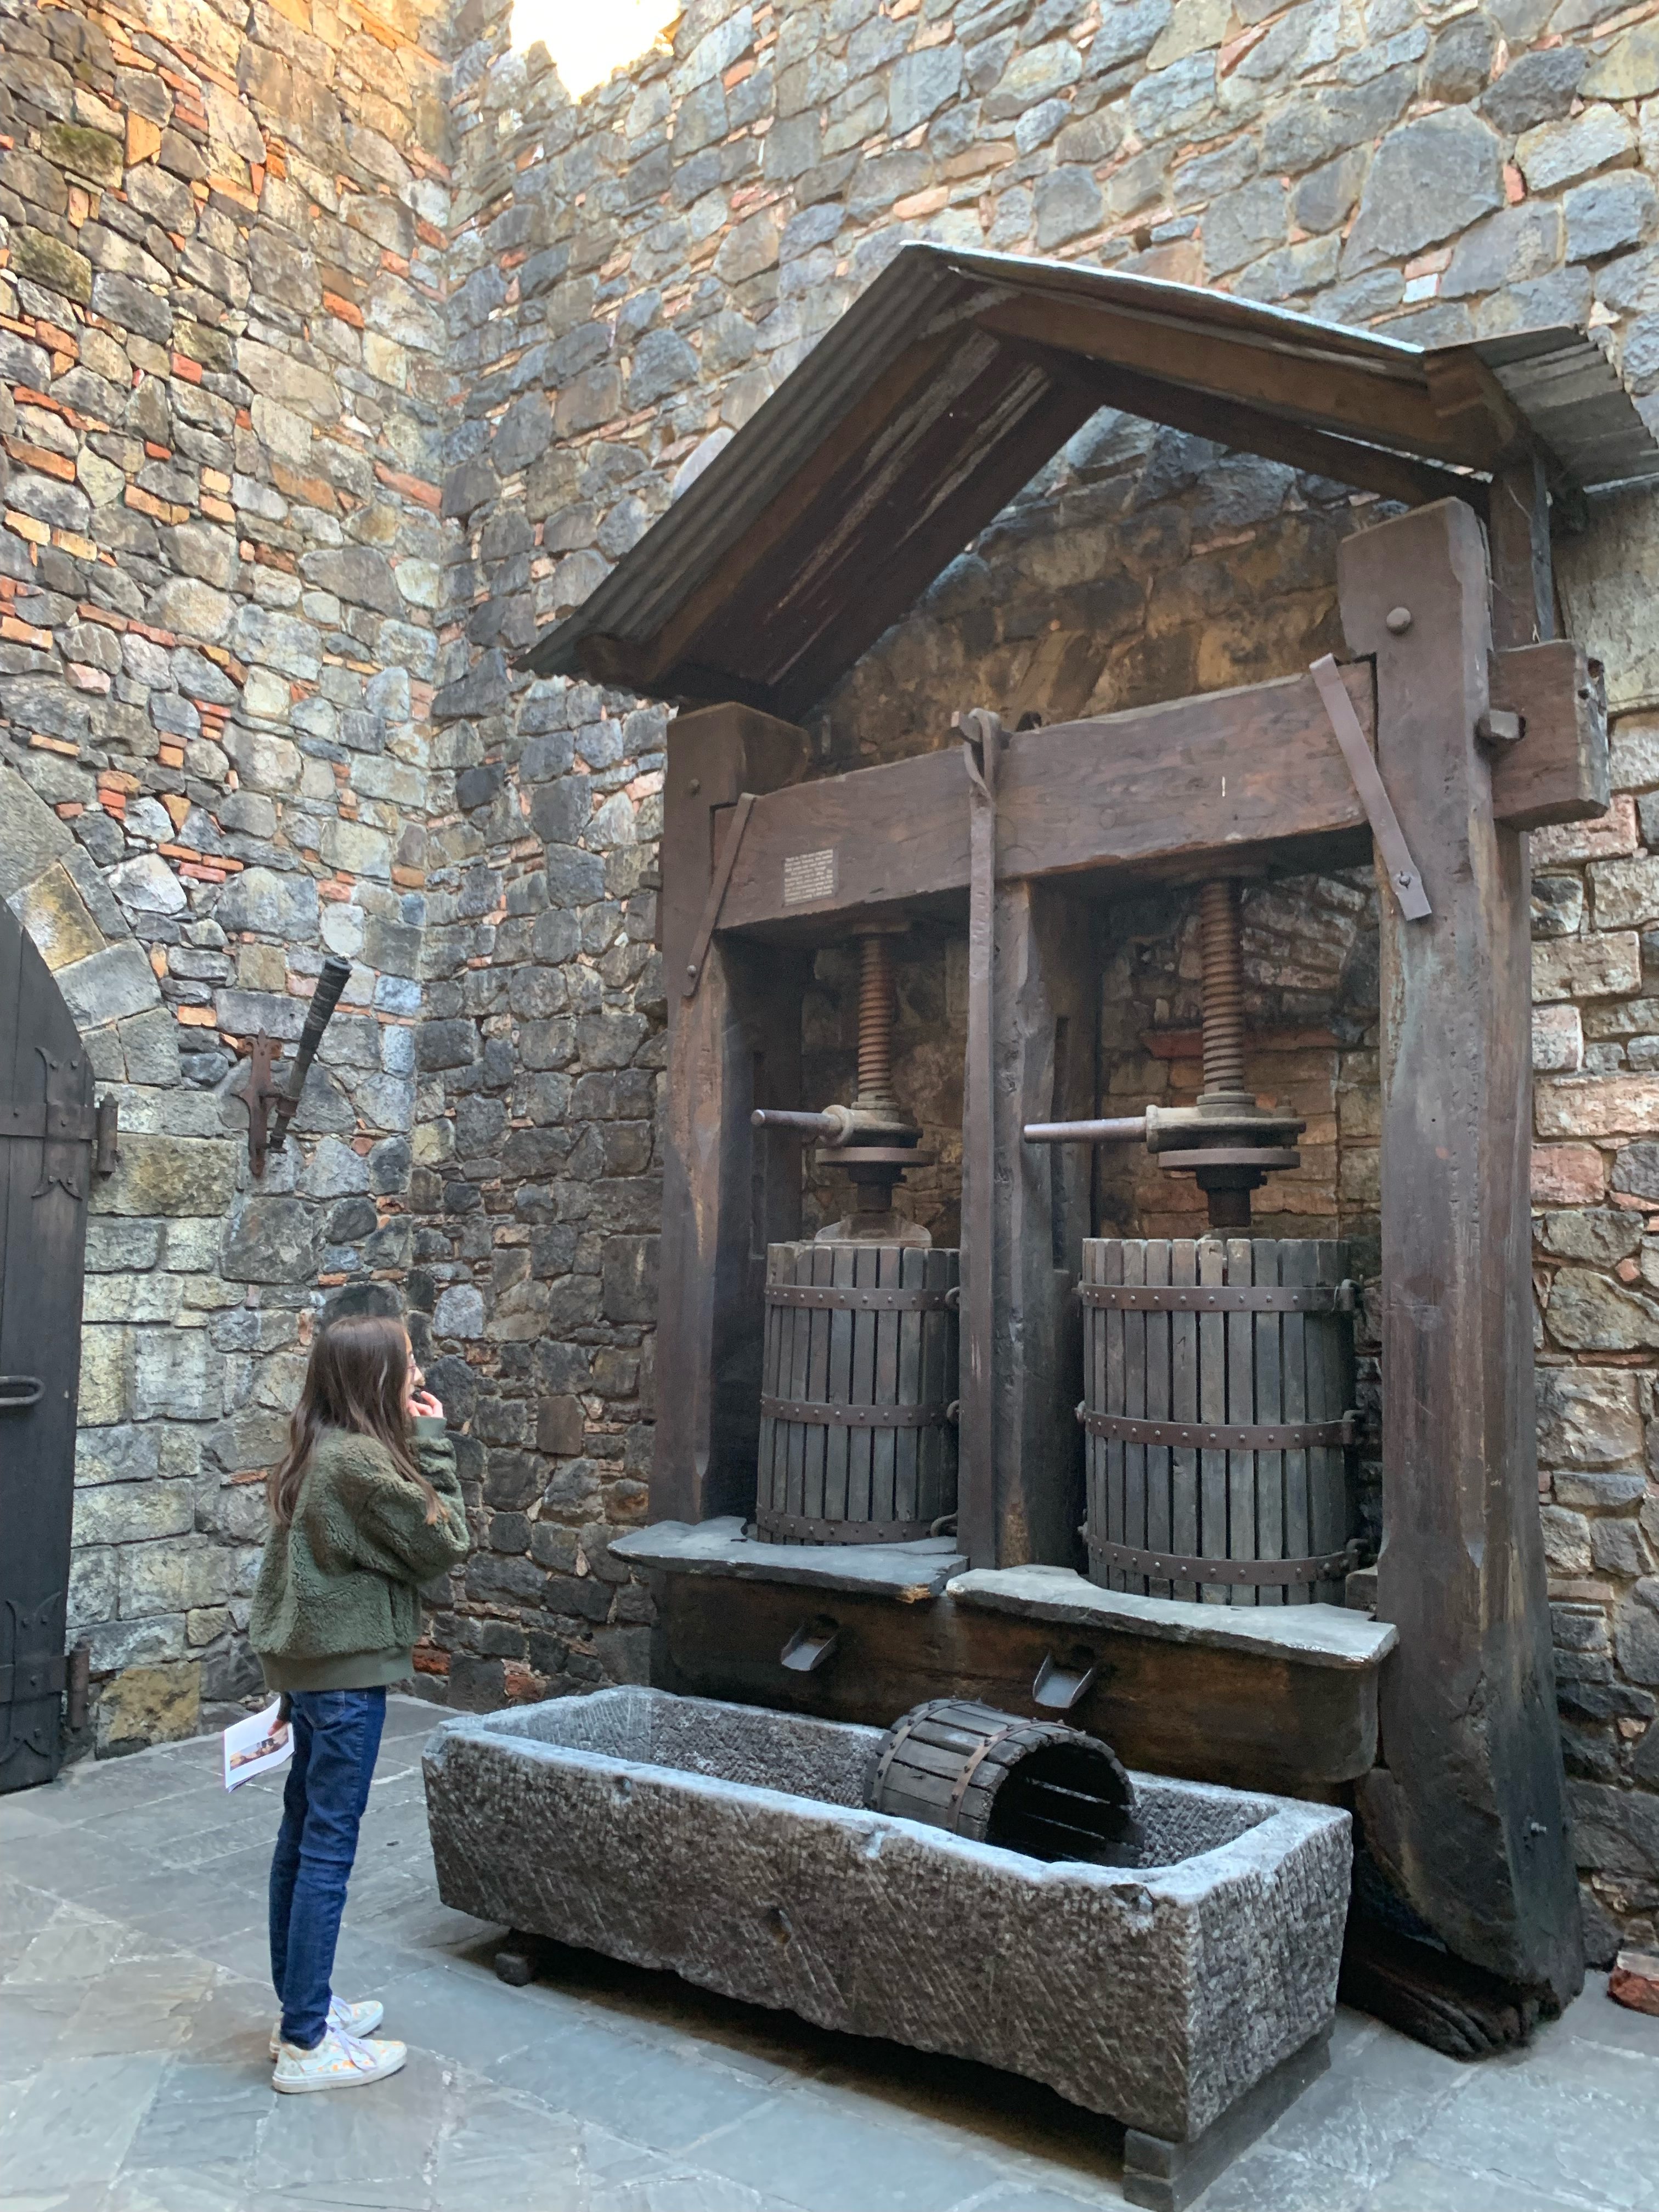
(907, 1571)
(730, 1844)
(1313, 1635)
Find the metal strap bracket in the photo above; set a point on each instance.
(1222, 1436)
(716, 899)
(1230, 1298)
(1373, 795)
(1171, 1567)
(813, 1294)
(828, 1413)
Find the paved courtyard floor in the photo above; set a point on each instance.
(134, 2075)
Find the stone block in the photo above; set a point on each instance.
(150, 1704)
(177, 1375)
(629, 1275)
(1589, 1313)
(1430, 179)
(1607, 214)
(1606, 964)
(1596, 1105)
(1587, 1418)
(105, 1391)
(1616, 1832)
(1561, 152)
(161, 1176)
(623, 1822)
(55, 916)
(1558, 1040)
(108, 986)
(133, 1512)
(173, 1574)
(920, 84)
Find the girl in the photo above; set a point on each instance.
(365, 1507)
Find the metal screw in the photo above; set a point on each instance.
(1398, 620)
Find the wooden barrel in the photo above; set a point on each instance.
(858, 1440)
(1030, 1786)
(1217, 1381)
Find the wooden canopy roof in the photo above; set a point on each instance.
(957, 375)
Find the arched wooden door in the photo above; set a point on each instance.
(47, 1126)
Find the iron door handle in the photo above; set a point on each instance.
(18, 1392)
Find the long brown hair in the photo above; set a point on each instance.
(358, 1379)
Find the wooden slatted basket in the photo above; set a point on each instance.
(1027, 1785)
(858, 1440)
(1217, 1381)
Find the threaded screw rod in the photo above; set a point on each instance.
(876, 1010)
(1222, 958)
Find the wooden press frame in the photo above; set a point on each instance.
(1468, 1813)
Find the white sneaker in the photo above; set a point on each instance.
(358, 2020)
(339, 2062)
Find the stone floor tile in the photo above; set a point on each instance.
(457, 2015)
(138, 2005)
(363, 2148)
(207, 2113)
(1574, 2117)
(511, 2154)
(32, 2018)
(71, 2126)
(1357, 2117)
(799, 2147)
(667, 2097)
(1020, 2196)
(74, 1945)
(1595, 2018)
(687, 2191)
(1268, 2180)
(1418, 2184)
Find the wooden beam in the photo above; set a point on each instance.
(1557, 770)
(1518, 539)
(1049, 961)
(733, 1046)
(1173, 786)
(1468, 1818)
(1229, 1716)
(1335, 394)
(1253, 430)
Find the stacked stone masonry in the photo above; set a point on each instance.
(344, 352)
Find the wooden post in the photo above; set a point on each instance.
(734, 1044)
(1468, 1816)
(1522, 575)
(1046, 1011)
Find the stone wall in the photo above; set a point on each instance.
(221, 383)
(628, 278)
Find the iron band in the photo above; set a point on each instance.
(1172, 1567)
(1220, 1436)
(814, 1294)
(830, 1413)
(802, 1528)
(1240, 1298)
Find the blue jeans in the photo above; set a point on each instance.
(337, 1738)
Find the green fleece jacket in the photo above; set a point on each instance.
(338, 1604)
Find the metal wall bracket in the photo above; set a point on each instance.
(1373, 795)
(273, 1105)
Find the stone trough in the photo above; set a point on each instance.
(1189, 1997)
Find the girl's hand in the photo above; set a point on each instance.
(423, 1406)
